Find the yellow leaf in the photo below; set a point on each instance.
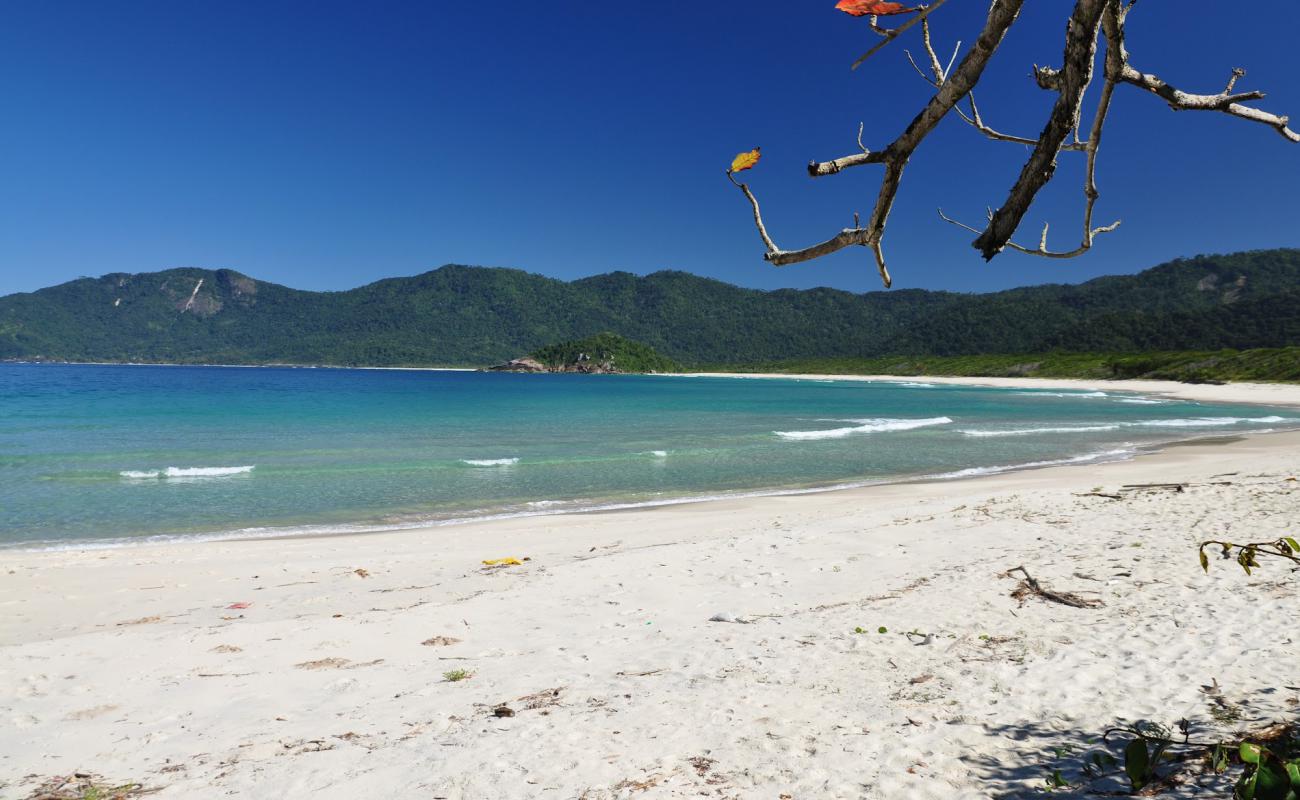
(745, 161)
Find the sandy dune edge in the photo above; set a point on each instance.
(131, 663)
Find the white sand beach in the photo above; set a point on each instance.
(315, 667)
(1278, 394)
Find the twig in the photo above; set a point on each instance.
(758, 215)
(1030, 586)
(1002, 13)
(892, 34)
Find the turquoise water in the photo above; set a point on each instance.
(109, 453)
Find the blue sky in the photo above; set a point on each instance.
(327, 144)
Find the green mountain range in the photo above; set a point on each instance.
(458, 315)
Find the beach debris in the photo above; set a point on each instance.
(543, 699)
(82, 785)
(508, 561)
(727, 616)
(1177, 488)
(361, 572)
(324, 663)
(1106, 495)
(641, 674)
(238, 606)
(226, 648)
(503, 711)
(457, 675)
(1029, 586)
(337, 663)
(141, 621)
(440, 641)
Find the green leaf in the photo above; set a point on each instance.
(1272, 782)
(882, 629)
(1292, 543)
(1293, 770)
(1250, 753)
(1136, 763)
(1205, 562)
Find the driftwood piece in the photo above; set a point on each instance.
(1029, 586)
(1177, 488)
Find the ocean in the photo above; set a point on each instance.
(110, 455)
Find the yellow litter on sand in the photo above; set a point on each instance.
(502, 562)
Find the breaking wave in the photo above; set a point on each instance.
(976, 471)
(184, 472)
(1063, 394)
(864, 426)
(1030, 431)
(489, 462)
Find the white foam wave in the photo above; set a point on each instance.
(1142, 401)
(204, 472)
(864, 426)
(544, 503)
(1064, 394)
(1207, 422)
(185, 472)
(1030, 431)
(1057, 462)
(912, 385)
(489, 462)
(659, 453)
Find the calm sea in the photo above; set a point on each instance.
(105, 454)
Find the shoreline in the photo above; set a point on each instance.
(1270, 394)
(1247, 393)
(350, 530)
(230, 666)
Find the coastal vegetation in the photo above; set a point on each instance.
(1220, 366)
(471, 316)
(605, 352)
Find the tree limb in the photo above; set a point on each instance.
(893, 33)
(1075, 76)
(758, 215)
(1225, 101)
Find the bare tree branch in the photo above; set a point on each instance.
(1076, 75)
(893, 33)
(977, 122)
(1062, 131)
(758, 215)
(1224, 101)
(1002, 14)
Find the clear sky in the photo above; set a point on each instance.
(327, 144)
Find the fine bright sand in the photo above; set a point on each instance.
(143, 664)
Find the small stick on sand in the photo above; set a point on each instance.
(1030, 586)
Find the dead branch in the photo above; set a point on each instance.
(1002, 14)
(758, 215)
(1089, 20)
(1030, 586)
(893, 33)
(1076, 75)
(1226, 101)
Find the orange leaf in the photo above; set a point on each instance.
(745, 161)
(864, 8)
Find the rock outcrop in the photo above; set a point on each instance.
(520, 365)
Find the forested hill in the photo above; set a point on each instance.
(460, 315)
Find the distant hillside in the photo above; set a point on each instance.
(605, 352)
(476, 316)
